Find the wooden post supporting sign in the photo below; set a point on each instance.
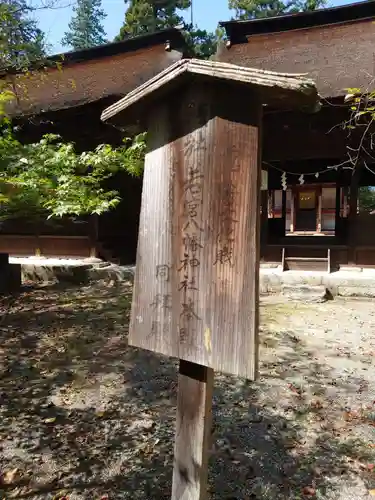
(193, 430)
(197, 274)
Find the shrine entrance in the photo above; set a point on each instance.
(306, 210)
(312, 209)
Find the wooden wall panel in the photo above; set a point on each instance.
(364, 224)
(197, 276)
(18, 246)
(49, 246)
(64, 247)
(365, 257)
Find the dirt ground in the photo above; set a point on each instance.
(83, 416)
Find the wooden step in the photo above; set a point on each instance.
(306, 263)
(308, 259)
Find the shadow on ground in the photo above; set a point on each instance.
(83, 416)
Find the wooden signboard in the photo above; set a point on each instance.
(197, 271)
(196, 282)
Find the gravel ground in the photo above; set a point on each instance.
(83, 416)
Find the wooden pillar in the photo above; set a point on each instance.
(270, 203)
(345, 201)
(193, 431)
(352, 219)
(264, 221)
(283, 208)
(223, 140)
(292, 211)
(38, 251)
(93, 234)
(338, 225)
(319, 211)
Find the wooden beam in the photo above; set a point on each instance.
(193, 430)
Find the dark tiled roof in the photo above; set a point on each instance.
(173, 35)
(237, 31)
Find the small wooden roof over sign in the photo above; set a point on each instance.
(274, 89)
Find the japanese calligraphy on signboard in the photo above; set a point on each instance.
(196, 281)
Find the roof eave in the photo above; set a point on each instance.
(175, 37)
(237, 30)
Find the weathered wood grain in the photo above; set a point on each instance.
(193, 430)
(196, 283)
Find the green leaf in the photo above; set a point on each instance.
(50, 177)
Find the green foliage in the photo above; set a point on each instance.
(6, 96)
(361, 119)
(366, 199)
(85, 28)
(251, 9)
(362, 107)
(21, 41)
(202, 43)
(148, 16)
(49, 179)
